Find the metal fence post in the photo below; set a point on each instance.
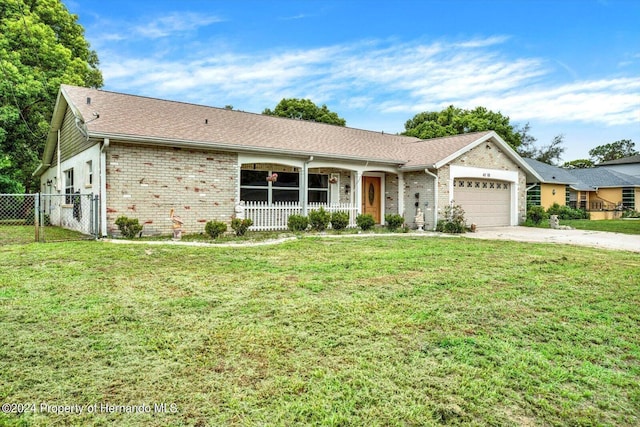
(36, 215)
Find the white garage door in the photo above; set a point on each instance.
(487, 203)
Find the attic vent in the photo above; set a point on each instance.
(88, 101)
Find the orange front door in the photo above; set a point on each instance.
(371, 196)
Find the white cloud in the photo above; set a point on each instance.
(175, 23)
(382, 76)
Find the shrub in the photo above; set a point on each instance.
(240, 226)
(630, 214)
(339, 220)
(536, 214)
(129, 227)
(394, 221)
(297, 222)
(365, 221)
(566, 212)
(215, 228)
(454, 221)
(319, 219)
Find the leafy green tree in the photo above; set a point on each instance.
(41, 46)
(578, 164)
(455, 121)
(613, 151)
(304, 109)
(8, 183)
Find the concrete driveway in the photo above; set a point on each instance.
(594, 239)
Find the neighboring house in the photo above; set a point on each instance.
(626, 165)
(554, 186)
(144, 157)
(602, 192)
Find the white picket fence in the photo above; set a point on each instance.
(274, 216)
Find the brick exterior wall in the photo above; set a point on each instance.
(391, 194)
(482, 157)
(147, 182)
(418, 182)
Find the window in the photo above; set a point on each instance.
(68, 186)
(88, 174)
(318, 188)
(628, 198)
(254, 187)
(533, 196)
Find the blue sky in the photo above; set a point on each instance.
(567, 67)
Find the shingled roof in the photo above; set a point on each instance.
(142, 119)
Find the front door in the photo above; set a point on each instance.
(371, 196)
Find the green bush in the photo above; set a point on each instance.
(297, 222)
(630, 214)
(319, 219)
(339, 220)
(394, 221)
(454, 221)
(566, 212)
(129, 227)
(240, 226)
(215, 228)
(536, 214)
(365, 221)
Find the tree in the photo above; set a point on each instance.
(455, 121)
(304, 109)
(613, 151)
(41, 47)
(578, 164)
(549, 154)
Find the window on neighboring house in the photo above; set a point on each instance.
(88, 174)
(318, 188)
(533, 196)
(628, 198)
(254, 187)
(68, 186)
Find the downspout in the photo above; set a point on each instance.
(435, 197)
(305, 179)
(103, 187)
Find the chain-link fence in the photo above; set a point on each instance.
(48, 217)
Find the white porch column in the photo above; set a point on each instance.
(357, 194)
(303, 185)
(401, 193)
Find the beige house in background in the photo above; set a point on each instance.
(604, 193)
(143, 157)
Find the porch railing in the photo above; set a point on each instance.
(274, 216)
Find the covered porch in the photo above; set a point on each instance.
(272, 189)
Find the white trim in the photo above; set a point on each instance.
(456, 171)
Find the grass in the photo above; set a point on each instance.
(22, 234)
(625, 226)
(383, 331)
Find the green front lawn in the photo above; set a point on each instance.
(626, 226)
(378, 331)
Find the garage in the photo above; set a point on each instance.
(487, 203)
